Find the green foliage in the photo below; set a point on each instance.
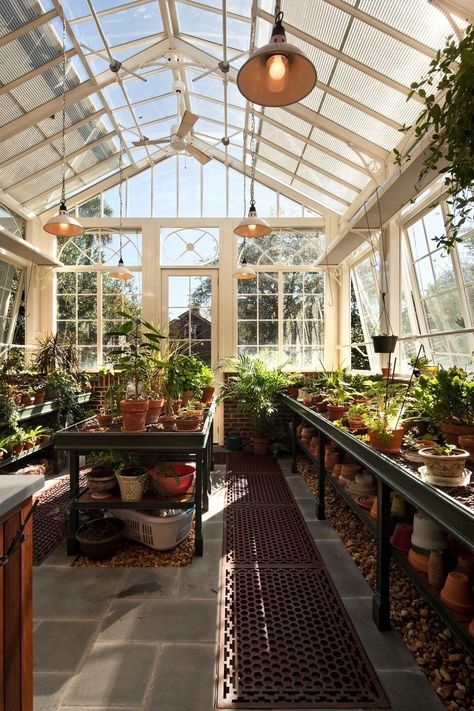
(337, 390)
(8, 410)
(56, 353)
(255, 389)
(447, 397)
(448, 119)
(384, 410)
(68, 389)
(444, 450)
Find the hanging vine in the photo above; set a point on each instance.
(448, 118)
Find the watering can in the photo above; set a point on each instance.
(233, 441)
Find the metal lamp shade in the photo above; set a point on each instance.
(245, 271)
(252, 226)
(253, 81)
(120, 271)
(63, 225)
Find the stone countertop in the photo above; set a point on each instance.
(15, 488)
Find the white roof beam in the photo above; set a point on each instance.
(50, 139)
(28, 27)
(35, 71)
(358, 105)
(216, 10)
(383, 27)
(337, 54)
(108, 11)
(460, 8)
(79, 92)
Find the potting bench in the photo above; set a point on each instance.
(454, 516)
(170, 446)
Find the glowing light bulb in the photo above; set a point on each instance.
(276, 73)
(252, 228)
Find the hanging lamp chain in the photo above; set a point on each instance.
(121, 192)
(252, 155)
(63, 131)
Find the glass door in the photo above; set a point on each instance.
(190, 311)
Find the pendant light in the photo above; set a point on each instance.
(252, 225)
(120, 271)
(62, 224)
(277, 74)
(244, 270)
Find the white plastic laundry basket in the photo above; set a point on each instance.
(158, 532)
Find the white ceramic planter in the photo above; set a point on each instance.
(444, 465)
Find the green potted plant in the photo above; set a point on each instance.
(133, 361)
(27, 397)
(446, 120)
(50, 354)
(355, 415)
(207, 383)
(255, 388)
(449, 397)
(444, 462)
(337, 393)
(188, 419)
(65, 389)
(383, 415)
(132, 478)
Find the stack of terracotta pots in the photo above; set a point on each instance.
(427, 536)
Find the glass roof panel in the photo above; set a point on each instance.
(208, 26)
(336, 167)
(132, 23)
(241, 7)
(322, 181)
(277, 157)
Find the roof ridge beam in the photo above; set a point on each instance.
(28, 27)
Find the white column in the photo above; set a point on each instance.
(391, 280)
(332, 336)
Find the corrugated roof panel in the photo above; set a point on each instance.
(286, 119)
(273, 172)
(24, 12)
(16, 144)
(74, 113)
(374, 94)
(9, 110)
(336, 167)
(320, 180)
(321, 198)
(49, 181)
(336, 145)
(277, 157)
(40, 89)
(385, 54)
(27, 52)
(359, 122)
(283, 139)
(75, 139)
(421, 20)
(323, 61)
(30, 166)
(318, 19)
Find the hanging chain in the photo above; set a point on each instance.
(19, 537)
(63, 144)
(252, 153)
(121, 191)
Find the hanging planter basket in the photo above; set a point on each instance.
(384, 344)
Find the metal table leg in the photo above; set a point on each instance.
(321, 503)
(381, 599)
(198, 543)
(294, 443)
(72, 545)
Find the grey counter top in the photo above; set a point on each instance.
(15, 488)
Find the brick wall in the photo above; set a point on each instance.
(234, 419)
(100, 383)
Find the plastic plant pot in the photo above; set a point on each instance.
(166, 482)
(384, 343)
(100, 538)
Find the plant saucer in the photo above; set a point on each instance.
(445, 480)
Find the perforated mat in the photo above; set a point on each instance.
(285, 638)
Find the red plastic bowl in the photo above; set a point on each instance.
(173, 485)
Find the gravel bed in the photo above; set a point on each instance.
(439, 654)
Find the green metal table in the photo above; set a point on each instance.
(452, 515)
(194, 446)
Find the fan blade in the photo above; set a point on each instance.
(199, 155)
(134, 74)
(187, 122)
(148, 142)
(97, 54)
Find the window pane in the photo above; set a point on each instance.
(139, 195)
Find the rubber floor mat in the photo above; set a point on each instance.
(285, 639)
(247, 462)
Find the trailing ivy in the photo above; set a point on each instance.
(448, 118)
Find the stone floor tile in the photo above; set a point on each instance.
(147, 583)
(160, 621)
(60, 645)
(409, 690)
(322, 531)
(212, 530)
(299, 488)
(195, 690)
(201, 578)
(346, 576)
(48, 690)
(308, 509)
(73, 593)
(59, 556)
(112, 675)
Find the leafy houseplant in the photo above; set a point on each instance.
(207, 384)
(8, 410)
(383, 415)
(51, 354)
(447, 119)
(254, 389)
(337, 393)
(133, 360)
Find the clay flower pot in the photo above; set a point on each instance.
(299, 430)
(401, 537)
(336, 470)
(452, 431)
(187, 396)
(27, 400)
(100, 539)
(208, 394)
(457, 594)
(292, 392)
(389, 442)
(356, 422)
(261, 445)
(349, 470)
(188, 424)
(321, 407)
(374, 510)
(471, 628)
(437, 569)
(419, 560)
(39, 397)
(168, 422)
(331, 457)
(104, 420)
(444, 465)
(154, 411)
(465, 564)
(335, 412)
(133, 414)
(467, 442)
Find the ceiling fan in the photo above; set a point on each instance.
(177, 140)
(114, 65)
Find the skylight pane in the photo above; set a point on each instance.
(359, 122)
(132, 23)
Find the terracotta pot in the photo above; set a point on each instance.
(208, 394)
(374, 510)
(154, 410)
(437, 569)
(168, 422)
(321, 407)
(457, 594)
(292, 392)
(39, 397)
(387, 372)
(187, 396)
(299, 430)
(465, 564)
(427, 534)
(356, 422)
(18, 448)
(27, 400)
(187, 424)
(314, 444)
(349, 470)
(133, 414)
(444, 465)
(401, 537)
(261, 445)
(104, 420)
(389, 442)
(335, 412)
(336, 470)
(471, 628)
(467, 442)
(454, 430)
(307, 432)
(96, 547)
(365, 502)
(308, 399)
(418, 561)
(331, 457)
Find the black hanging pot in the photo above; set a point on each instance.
(384, 344)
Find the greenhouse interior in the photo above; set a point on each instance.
(236, 355)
